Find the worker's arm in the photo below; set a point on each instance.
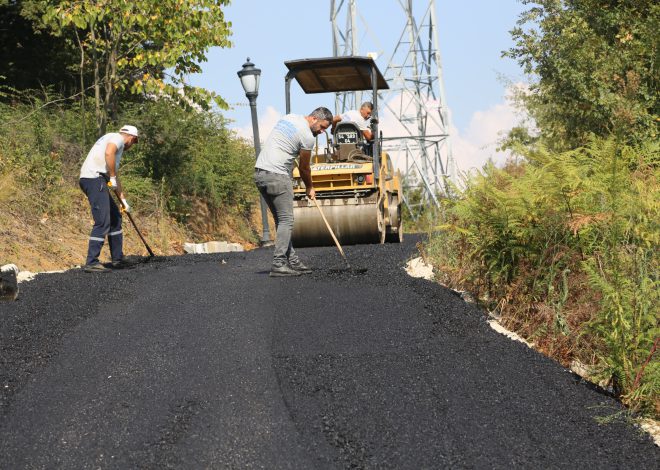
(111, 159)
(306, 172)
(335, 120)
(369, 131)
(110, 164)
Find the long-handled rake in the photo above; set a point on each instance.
(341, 250)
(130, 217)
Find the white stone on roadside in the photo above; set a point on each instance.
(25, 276)
(223, 247)
(581, 369)
(212, 247)
(194, 248)
(495, 325)
(418, 268)
(8, 282)
(652, 427)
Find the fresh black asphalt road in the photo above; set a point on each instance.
(205, 362)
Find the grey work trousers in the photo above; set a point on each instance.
(277, 191)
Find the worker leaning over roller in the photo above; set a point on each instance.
(98, 176)
(361, 117)
(292, 136)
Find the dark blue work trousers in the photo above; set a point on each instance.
(107, 220)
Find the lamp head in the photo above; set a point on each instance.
(249, 76)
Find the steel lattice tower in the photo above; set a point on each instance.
(416, 98)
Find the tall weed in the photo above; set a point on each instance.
(30, 154)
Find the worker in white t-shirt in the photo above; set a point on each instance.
(361, 117)
(292, 136)
(98, 176)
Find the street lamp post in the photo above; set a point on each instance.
(249, 76)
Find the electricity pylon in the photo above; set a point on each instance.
(415, 101)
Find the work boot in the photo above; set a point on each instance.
(283, 270)
(95, 268)
(299, 266)
(122, 264)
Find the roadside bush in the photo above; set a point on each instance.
(541, 239)
(31, 154)
(191, 155)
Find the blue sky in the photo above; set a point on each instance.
(472, 34)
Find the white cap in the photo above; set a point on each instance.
(130, 130)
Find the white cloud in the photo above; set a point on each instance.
(267, 121)
(478, 143)
(472, 147)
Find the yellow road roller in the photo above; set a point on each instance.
(356, 184)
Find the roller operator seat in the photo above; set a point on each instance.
(348, 140)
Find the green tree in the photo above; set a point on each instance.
(593, 66)
(193, 153)
(138, 46)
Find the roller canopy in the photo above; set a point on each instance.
(333, 74)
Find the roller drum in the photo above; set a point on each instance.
(354, 222)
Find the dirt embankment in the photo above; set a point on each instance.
(44, 242)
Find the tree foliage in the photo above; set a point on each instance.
(593, 66)
(29, 59)
(137, 46)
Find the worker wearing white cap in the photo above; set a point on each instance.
(98, 176)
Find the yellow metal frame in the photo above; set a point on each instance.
(341, 178)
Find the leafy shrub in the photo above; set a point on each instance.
(28, 152)
(192, 155)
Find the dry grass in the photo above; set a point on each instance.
(37, 241)
(226, 223)
(557, 332)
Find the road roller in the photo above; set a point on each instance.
(357, 187)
